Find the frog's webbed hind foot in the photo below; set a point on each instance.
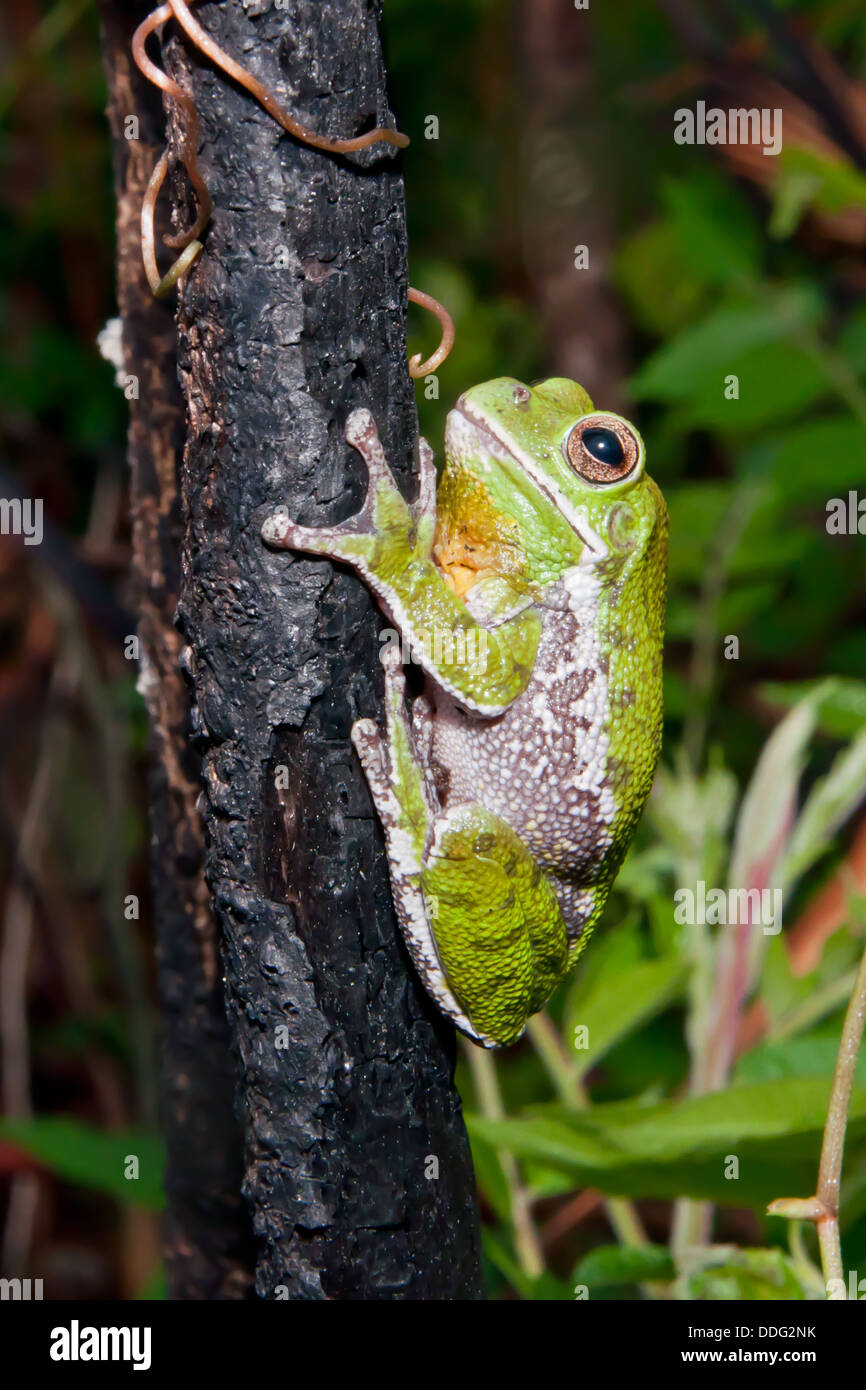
(407, 746)
(372, 755)
(392, 763)
(422, 739)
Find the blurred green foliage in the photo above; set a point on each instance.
(125, 1165)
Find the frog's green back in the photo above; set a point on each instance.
(631, 623)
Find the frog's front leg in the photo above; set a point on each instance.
(390, 544)
(384, 519)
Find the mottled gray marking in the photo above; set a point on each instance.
(542, 765)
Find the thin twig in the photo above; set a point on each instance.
(417, 367)
(188, 148)
(18, 922)
(621, 1213)
(823, 1208)
(526, 1239)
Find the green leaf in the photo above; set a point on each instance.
(499, 1253)
(681, 1148)
(548, 1289)
(624, 1264)
(644, 874)
(694, 510)
(92, 1158)
(776, 380)
(615, 1008)
(729, 1273)
(614, 952)
(715, 227)
(837, 183)
(692, 815)
(490, 1177)
(649, 275)
(704, 352)
(829, 804)
(813, 1054)
(769, 803)
(832, 449)
(545, 1287)
(542, 1181)
(842, 709)
(793, 192)
(852, 339)
(781, 991)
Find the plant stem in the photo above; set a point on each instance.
(556, 1061)
(526, 1240)
(830, 1169)
(621, 1213)
(823, 1208)
(837, 370)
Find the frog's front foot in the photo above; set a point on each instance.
(385, 520)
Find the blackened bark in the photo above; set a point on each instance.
(208, 1239)
(358, 1172)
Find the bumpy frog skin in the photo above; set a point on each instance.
(530, 587)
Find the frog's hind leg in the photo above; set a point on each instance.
(500, 932)
(402, 789)
(481, 921)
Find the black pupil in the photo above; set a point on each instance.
(604, 445)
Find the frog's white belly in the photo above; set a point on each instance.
(542, 765)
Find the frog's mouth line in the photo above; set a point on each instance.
(594, 548)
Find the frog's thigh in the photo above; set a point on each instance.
(405, 803)
(498, 925)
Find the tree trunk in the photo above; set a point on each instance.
(357, 1168)
(208, 1238)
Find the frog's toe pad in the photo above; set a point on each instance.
(367, 739)
(360, 428)
(372, 755)
(392, 660)
(277, 527)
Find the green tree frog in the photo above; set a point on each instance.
(531, 586)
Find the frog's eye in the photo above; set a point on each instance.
(603, 448)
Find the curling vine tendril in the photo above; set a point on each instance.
(188, 243)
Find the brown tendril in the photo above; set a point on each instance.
(188, 241)
(160, 285)
(224, 60)
(417, 367)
